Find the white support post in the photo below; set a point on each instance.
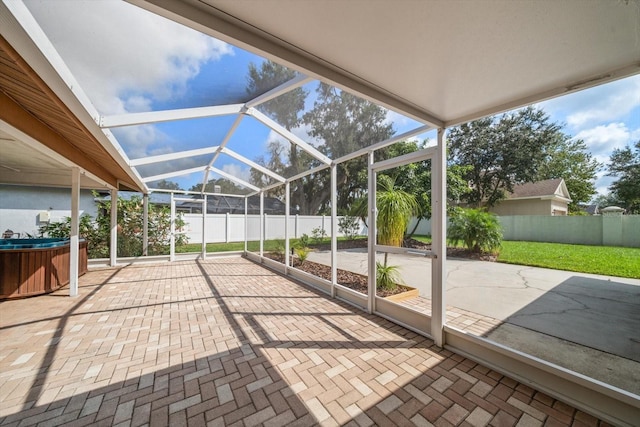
(113, 249)
(204, 228)
(439, 238)
(246, 223)
(74, 243)
(227, 227)
(145, 225)
(262, 223)
(172, 231)
(287, 204)
(372, 216)
(295, 228)
(334, 229)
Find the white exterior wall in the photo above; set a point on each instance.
(20, 207)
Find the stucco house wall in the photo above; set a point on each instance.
(547, 197)
(523, 207)
(21, 207)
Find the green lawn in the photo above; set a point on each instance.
(607, 260)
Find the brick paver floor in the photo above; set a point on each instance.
(227, 342)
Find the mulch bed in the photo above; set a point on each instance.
(359, 282)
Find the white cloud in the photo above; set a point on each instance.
(238, 171)
(598, 105)
(603, 139)
(123, 56)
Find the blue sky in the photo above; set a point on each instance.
(128, 60)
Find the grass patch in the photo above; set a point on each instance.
(253, 246)
(606, 260)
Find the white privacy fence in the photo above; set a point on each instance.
(621, 230)
(230, 227)
(605, 230)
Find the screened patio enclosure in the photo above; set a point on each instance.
(204, 110)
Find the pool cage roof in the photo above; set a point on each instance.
(428, 64)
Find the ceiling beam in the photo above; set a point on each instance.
(173, 156)
(289, 135)
(226, 139)
(382, 144)
(233, 178)
(173, 174)
(288, 86)
(148, 117)
(252, 164)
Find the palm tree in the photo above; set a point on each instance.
(395, 209)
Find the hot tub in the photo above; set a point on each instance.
(36, 266)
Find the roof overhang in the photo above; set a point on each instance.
(41, 138)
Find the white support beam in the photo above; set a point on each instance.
(204, 228)
(113, 235)
(261, 224)
(334, 229)
(288, 135)
(287, 206)
(145, 225)
(382, 144)
(224, 142)
(173, 156)
(172, 174)
(252, 164)
(309, 172)
(371, 247)
(147, 117)
(296, 82)
(416, 156)
(233, 178)
(246, 222)
(172, 229)
(439, 239)
(74, 233)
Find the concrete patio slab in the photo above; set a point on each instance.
(599, 313)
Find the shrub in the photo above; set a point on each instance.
(303, 241)
(349, 226)
(302, 253)
(130, 229)
(278, 250)
(318, 234)
(478, 230)
(387, 276)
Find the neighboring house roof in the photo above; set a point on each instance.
(547, 189)
(215, 203)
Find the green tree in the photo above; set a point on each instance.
(477, 229)
(503, 151)
(344, 123)
(624, 164)
(569, 159)
(285, 109)
(167, 185)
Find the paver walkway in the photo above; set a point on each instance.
(227, 342)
